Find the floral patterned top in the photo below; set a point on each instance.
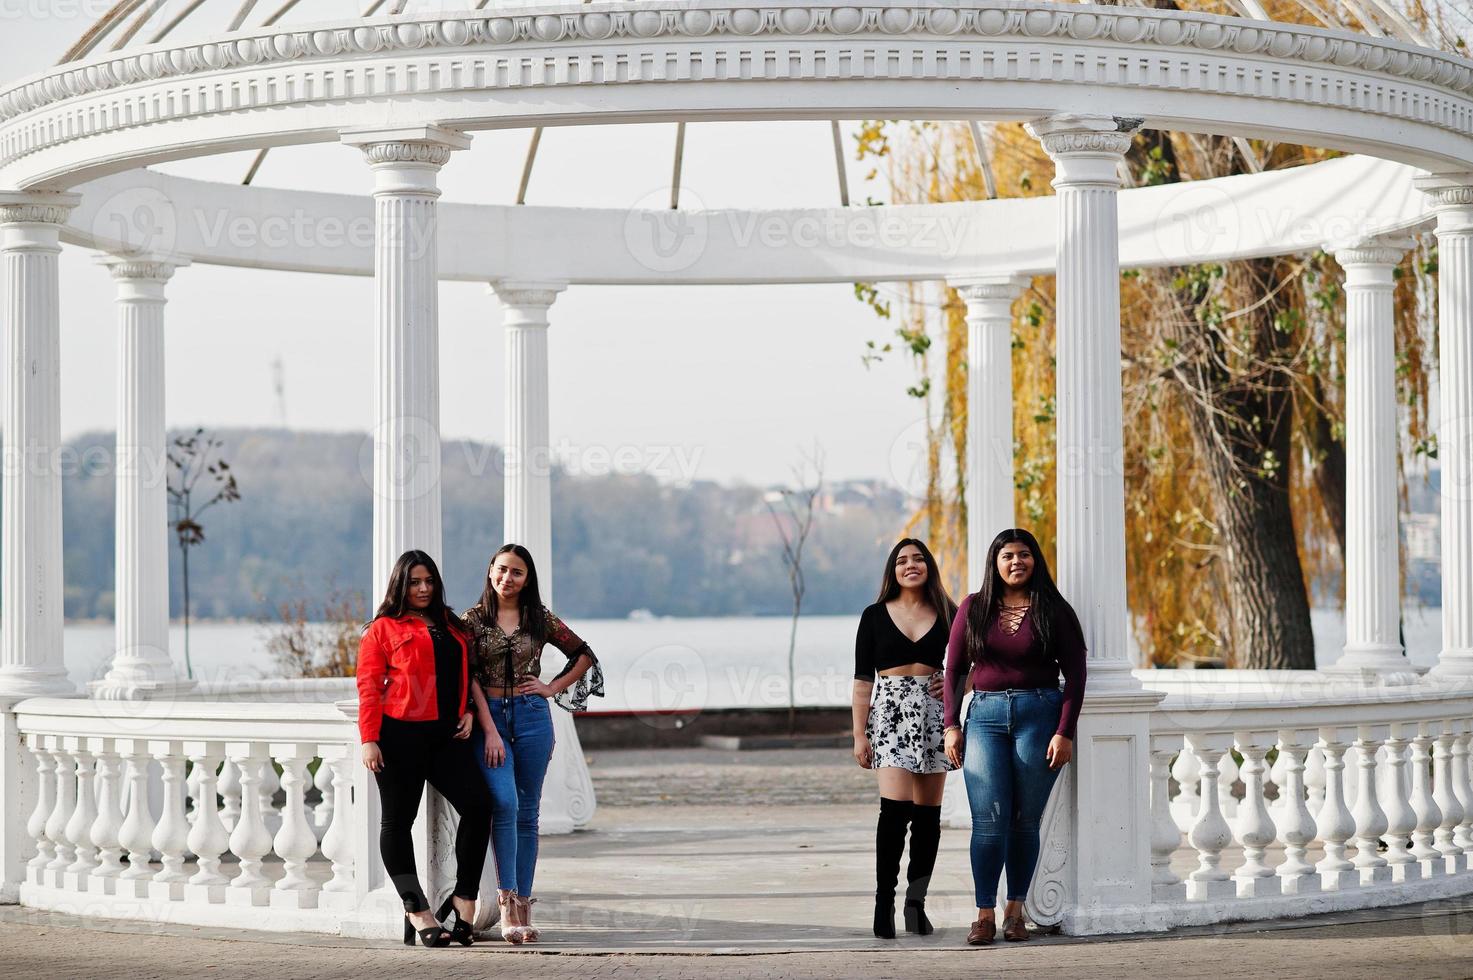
(497, 658)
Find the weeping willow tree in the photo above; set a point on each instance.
(1233, 384)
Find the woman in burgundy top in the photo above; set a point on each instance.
(1010, 641)
(898, 654)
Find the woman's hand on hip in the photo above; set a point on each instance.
(373, 757)
(463, 730)
(864, 754)
(495, 750)
(533, 685)
(936, 687)
(1060, 751)
(954, 744)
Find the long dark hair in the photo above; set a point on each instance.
(936, 593)
(529, 600)
(396, 595)
(1043, 595)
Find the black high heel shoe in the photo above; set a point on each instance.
(432, 936)
(915, 918)
(884, 917)
(461, 931)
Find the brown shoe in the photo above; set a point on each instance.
(1014, 929)
(982, 933)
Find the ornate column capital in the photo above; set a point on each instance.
(406, 160)
(37, 207)
(530, 296)
(980, 289)
(1086, 149)
(1371, 262)
(142, 267)
(1451, 199)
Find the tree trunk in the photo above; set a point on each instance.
(1329, 466)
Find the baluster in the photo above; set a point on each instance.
(208, 837)
(321, 814)
(1188, 772)
(45, 803)
(1227, 774)
(337, 842)
(1447, 800)
(1256, 831)
(1463, 833)
(1370, 820)
(1401, 819)
(1276, 775)
(270, 783)
(229, 787)
(1423, 804)
(1333, 822)
(1295, 825)
(295, 843)
(79, 824)
(1314, 780)
(249, 840)
(109, 822)
(191, 794)
(1210, 832)
(1165, 838)
(137, 833)
(171, 833)
(65, 775)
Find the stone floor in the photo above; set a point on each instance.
(701, 863)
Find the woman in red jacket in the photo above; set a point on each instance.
(413, 722)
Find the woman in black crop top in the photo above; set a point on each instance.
(898, 657)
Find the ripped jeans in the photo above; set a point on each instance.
(1008, 784)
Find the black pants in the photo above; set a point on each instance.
(416, 751)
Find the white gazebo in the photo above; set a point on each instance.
(411, 90)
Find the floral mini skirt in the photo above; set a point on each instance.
(905, 726)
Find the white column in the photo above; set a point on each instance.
(406, 434)
(527, 446)
(1453, 200)
(141, 665)
(30, 491)
(989, 466)
(1104, 885)
(1087, 151)
(1372, 574)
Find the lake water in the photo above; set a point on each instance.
(669, 664)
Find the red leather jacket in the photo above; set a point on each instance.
(396, 674)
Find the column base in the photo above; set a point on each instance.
(29, 682)
(140, 688)
(1453, 665)
(1374, 667)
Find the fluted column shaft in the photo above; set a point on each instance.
(406, 433)
(141, 666)
(527, 446)
(31, 660)
(1453, 200)
(989, 464)
(1372, 572)
(1087, 151)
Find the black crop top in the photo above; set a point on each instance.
(880, 645)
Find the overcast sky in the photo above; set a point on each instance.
(735, 378)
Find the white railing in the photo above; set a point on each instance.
(192, 811)
(1271, 788)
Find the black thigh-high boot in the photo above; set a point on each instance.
(925, 839)
(889, 845)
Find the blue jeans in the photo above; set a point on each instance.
(516, 787)
(1008, 784)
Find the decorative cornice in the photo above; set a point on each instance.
(1375, 252)
(147, 270)
(261, 68)
(1062, 144)
(527, 294)
(37, 209)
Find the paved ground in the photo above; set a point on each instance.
(709, 864)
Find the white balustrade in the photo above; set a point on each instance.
(79, 824)
(337, 840)
(1463, 790)
(1447, 802)
(1255, 829)
(45, 801)
(171, 833)
(1334, 823)
(65, 775)
(1165, 837)
(208, 837)
(1429, 815)
(137, 833)
(108, 825)
(250, 840)
(320, 816)
(266, 789)
(1401, 819)
(1295, 826)
(1210, 832)
(1187, 770)
(229, 788)
(1370, 819)
(294, 841)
